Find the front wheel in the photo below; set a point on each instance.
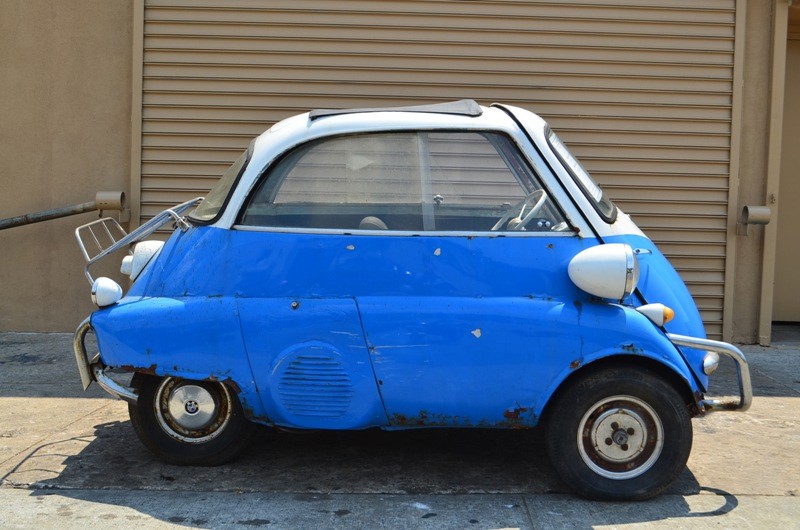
(619, 434)
(186, 422)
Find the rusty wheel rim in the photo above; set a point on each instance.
(620, 437)
(192, 411)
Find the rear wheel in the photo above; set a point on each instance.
(619, 434)
(188, 422)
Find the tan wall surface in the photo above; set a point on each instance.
(65, 72)
(65, 80)
(787, 259)
(753, 167)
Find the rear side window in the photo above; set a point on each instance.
(402, 181)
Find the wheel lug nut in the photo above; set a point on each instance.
(630, 432)
(609, 441)
(624, 447)
(615, 426)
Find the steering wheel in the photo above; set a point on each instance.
(536, 199)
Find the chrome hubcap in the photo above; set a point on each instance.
(620, 437)
(192, 412)
(192, 407)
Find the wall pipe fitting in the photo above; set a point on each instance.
(104, 200)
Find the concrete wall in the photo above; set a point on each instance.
(65, 80)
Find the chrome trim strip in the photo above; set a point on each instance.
(112, 387)
(79, 346)
(630, 271)
(742, 369)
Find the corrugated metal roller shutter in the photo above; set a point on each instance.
(640, 89)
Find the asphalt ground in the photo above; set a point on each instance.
(70, 459)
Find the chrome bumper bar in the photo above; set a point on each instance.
(94, 370)
(742, 370)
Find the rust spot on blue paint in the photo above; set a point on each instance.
(513, 415)
(422, 419)
(575, 364)
(632, 348)
(234, 386)
(515, 418)
(149, 370)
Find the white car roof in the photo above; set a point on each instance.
(291, 132)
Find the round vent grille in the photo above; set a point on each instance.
(315, 385)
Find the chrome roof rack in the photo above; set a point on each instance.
(108, 236)
(463, 107)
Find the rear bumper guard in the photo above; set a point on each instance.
(742, 371)
(94, 370)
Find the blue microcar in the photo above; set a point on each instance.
(446, 265)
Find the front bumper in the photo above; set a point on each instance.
(742, 370)
(94, 369)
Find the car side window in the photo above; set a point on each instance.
(404, 181)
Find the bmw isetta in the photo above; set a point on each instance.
(446, 265)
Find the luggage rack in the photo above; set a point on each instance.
(108, 236)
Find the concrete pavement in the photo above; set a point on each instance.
(70, 459)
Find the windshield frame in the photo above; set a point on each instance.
(221, 184)
(609, 216)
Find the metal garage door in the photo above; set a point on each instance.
(641, 89)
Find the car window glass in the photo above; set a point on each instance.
(600, 201)
(208, 209)
(479, 182)
(404, 181)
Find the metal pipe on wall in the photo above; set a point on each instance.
(104, 200)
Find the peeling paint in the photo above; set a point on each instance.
(516, 418)
(579, 306)
(437, 252)
(476, 332)
(422, 419)
(150, 370)
(514, 414)
(632, 348)
(350, 247)
(234, 385)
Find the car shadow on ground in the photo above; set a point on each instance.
(324, 463)
(429, 461)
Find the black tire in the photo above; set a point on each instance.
(204, 426)
(627, 407)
